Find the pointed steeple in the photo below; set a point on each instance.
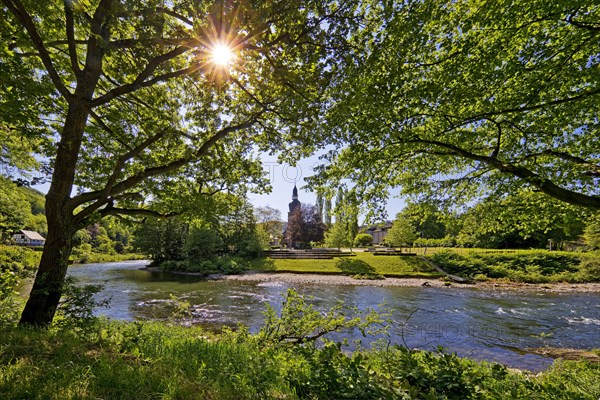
(295, 204)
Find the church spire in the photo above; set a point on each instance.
(295, 193)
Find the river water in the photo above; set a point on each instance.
(488, 325)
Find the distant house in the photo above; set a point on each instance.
(378, 232)
(29, 238)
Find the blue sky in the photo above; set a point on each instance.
(283, 177)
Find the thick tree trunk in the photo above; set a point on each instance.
(47, 287)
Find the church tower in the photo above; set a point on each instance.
(295, 204)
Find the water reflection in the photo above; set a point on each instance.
(490, 325)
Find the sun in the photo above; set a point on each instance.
(222, 55)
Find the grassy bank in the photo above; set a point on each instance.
(364, 264)
(531, 266)
(149, 361)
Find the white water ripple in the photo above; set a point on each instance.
(583, 320)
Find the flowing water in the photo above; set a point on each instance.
(489, 325)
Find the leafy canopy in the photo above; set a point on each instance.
(455, 100)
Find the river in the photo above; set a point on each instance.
(488, 325)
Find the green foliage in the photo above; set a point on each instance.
(337, 236)
(18, 259)
(426, 219)
(299, 323)
(448, 241)
(346, 215)
(402, 233)
(150, 360)
(9, 296)
(20, 208)
(225, 264)
(76, 308)
(162, 239)
(532, 267)
(269, 219)
(14, 209)
(363, 240)
(591, 234)
(202, 244)
(521, 220)
(452, 100)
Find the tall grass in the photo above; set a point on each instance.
(154, 361)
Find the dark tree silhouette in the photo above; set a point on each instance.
(304, 226)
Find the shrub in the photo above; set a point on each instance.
(532, 266)
(363, 239)
(589, 270)
(202, 244)
(18, 259)
(9, 296)
(76, 308)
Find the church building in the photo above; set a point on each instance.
(294, 206)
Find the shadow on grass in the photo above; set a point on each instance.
(350, 266)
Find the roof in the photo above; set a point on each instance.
(32, 235)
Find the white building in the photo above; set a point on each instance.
(28, 238)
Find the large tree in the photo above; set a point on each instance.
(460, 99)
(523, 219)
(305, 225)
(269, 219)
(150, 98)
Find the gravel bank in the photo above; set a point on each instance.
(316, 279)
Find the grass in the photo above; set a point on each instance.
(116, 360)
(531, 266)
(363, 263)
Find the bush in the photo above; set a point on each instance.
(531, 266)
(9, 296)
(363, 240)
(77, 304)
(589, 270)
(18, 259)
(228, 265)
(202, 244)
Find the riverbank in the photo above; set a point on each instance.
(335, 279)
(141, 360)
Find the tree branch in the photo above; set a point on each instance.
(536, 180)
(140, 81)
(70, 31)
(102, 197)
(17, 9)
(135, 212)
(593, 169)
